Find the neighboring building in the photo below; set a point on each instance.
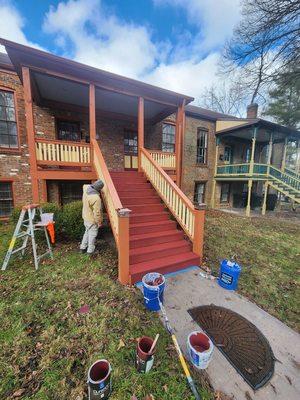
(63, 124)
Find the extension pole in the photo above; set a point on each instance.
(179, 352)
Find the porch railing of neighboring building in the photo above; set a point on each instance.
(190, 219)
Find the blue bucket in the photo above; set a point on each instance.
(229, 275)
(151, 292)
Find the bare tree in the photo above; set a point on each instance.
(225, 98)
(265, 42)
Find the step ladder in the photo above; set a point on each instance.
(24, 230)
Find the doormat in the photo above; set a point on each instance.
(244, 346)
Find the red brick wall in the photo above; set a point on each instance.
(191, 171)
(15, 164)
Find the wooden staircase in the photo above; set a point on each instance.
(155, 241)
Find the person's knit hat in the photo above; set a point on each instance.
(98, 185)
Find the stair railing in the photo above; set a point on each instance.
(292, 182)
(117, 214)
(292, 172)
(189, 218)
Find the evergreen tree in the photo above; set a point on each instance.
(284, 105)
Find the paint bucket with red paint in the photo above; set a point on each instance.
(200, 349)
(99, 380)
(144, 358)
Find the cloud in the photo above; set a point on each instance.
(215, 20)
(189, 77)
(12, 25)
(101, 40)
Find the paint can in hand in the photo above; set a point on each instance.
(144, 358)
(200, 349)
(99, 380)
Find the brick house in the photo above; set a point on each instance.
(63, 124)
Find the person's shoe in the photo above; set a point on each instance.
(82, 251)
(91, 255)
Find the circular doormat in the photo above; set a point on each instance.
(245, 347)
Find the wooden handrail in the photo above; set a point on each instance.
(184, 198)
(190, 219)
(118, 216)
(161, 152)
(108, 181)
(64, 142)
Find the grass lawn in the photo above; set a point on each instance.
(268, 251)
(46, 346)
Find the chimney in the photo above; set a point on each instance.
(252, 110)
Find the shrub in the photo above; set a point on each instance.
(72, 224)
(68, 220)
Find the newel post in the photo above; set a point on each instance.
(198, 241)
(123, 246)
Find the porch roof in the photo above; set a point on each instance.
(244, 131)
(58, 79)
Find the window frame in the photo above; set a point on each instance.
(206, 131)
(70, 121)
(228, 193)
(203, 194)
(11, 181)
(162, 136)
(17, 149)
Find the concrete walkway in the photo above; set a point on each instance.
(188, 289)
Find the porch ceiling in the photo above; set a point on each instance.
(264, 129)
(159, 102)
(58, 92)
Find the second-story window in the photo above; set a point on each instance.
(168, 138)
(8, 124)
(68, 130)
(201, 146)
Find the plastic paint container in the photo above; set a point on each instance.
(144, 359)
(229, 275)
(151, 292)
(99, 380)
(200, 349)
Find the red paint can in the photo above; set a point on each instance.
(99, 380)
(144, 359)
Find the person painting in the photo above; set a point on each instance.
(92, 216)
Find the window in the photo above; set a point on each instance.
(228, 154)
(225, 192)
(8, 124)
(168, 138)
(130, 143)
(199, 192)
(201, 146)
(6, 199)
(71, 191)
(68, 130)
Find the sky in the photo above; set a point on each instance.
(175, 44)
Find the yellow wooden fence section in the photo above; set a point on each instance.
(62, 152)
(164, 159)
(177, 202)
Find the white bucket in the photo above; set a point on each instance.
(46, 218)
(200, 349)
